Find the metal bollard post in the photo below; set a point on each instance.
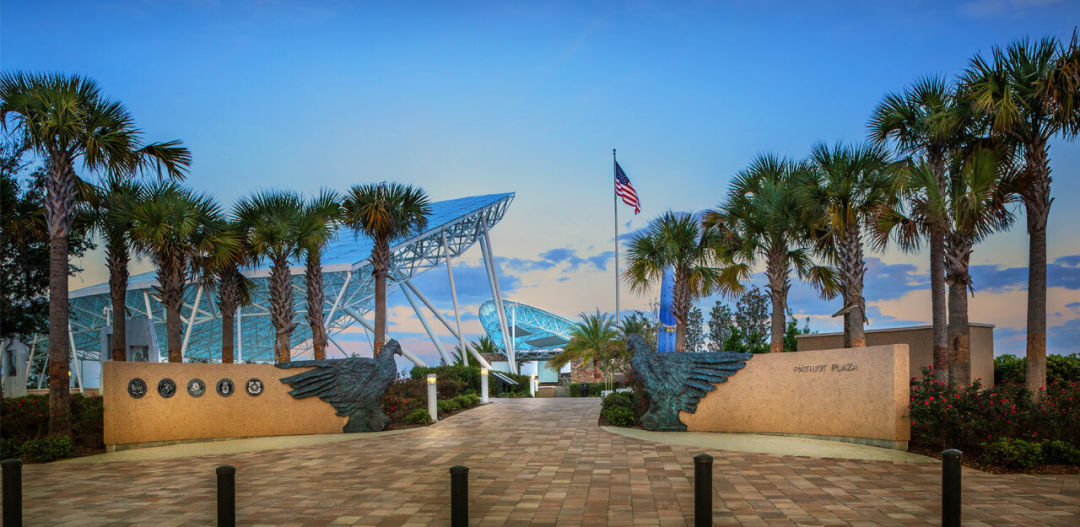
(702, 490)
(12, 478)
(226, 496)
(950, 488)
(459, 496)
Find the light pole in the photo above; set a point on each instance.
(432, 398)
(483, 385)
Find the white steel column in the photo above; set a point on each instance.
(453, 295)
(75, 358)
(191, 323)
(33, 347)
(337, 301)
(493, 281)
(468, 345)
(367, 325)
(239, 334)
(338, 346)
(427, 327)
(146, 300)
(513, 329)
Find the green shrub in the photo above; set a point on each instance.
(9, 448)
(618, 399)
(467, 400)
(419, 416)
(46, 449)
(403, 397)
(1060, 453)
(448, 406)
(452, 380)
(618, 416)
(1061, 369)
(25, 418)
(1012, 453)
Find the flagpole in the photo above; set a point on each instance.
(615, 195)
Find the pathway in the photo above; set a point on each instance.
(533, 462)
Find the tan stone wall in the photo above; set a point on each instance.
(153, 418)
(920, 341)
(844, 393)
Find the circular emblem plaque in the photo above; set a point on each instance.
(136, 387)
(196, 387)
(166, 388)
(225, 387)
(253, 387)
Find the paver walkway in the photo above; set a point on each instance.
(532, 461)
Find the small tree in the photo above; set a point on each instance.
(721, 327)
(695, 335)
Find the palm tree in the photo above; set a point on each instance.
(924, 121)
(112, 205)
(678, 240)
(1028, 92)
(384, 212)
(177, 228)
(636, 323)
(271, 224)
(221, 272)
(66, 121)
(846, 186)
(594, 339)
(317, 224)
(764, 219)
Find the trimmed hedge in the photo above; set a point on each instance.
(618, 410)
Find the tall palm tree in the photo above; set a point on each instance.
(271, 224)
(1028, 92)
(384, 212)
(66, 121)
(765, 219)
(112, 205)
(176, 227)
(923, 121)
(220, 271)
(846, 186)
(317, 224)
(678, 240)
(594, 339)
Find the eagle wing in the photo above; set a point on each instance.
(343, 383)
(695, 374)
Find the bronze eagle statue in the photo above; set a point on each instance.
(353, 386)
(676, 381)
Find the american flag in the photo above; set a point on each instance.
(625, 190)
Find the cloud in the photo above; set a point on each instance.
(471, 281)
(885, 281)
(1062, 272)
(568, 258)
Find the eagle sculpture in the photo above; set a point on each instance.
(676, 381)
(353, 386)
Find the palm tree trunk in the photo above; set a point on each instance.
(117, 260)
(281, 308)
(59, 373)
(380, 265)
(227, 323)
(314, 285)
(938, 305)
(171, 280)
(1037, 206)
(776, 270)
(957, 258)
(59, 213)
(172, 329)
(680, 306)
(852, 268)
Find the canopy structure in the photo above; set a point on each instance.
(453, 227)
(534, 333)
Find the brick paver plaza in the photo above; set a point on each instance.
(532, 462)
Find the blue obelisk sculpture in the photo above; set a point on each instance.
(665, 335)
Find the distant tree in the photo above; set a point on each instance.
(641, 324)
(793, 331)
(24, 247)
(753, 319)
(721, 327)
(594, 339)
(695, 334)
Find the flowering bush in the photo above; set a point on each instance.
(403, 397)
(26, 419)
(975, 420)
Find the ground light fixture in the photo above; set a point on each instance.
(432, 398)
(483, 385)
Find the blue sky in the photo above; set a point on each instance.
(491, 97)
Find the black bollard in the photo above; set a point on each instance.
(12, 492)
(950, 488)
(226, 496)
(702, 490)
(459, 496)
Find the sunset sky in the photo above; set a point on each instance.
(528, 98)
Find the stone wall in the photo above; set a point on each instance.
(153, 418)
(859, 395)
